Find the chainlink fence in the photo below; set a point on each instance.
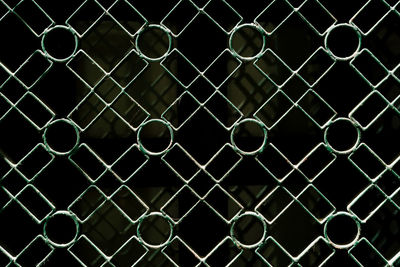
(199, 133)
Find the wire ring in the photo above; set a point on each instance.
(156, 26)
(260, 148)
(330, 51)
(155, 246)
(347, 150)
(46, 53)
(152, 152)
(48, 146)
(67, 214)
(248, 246)
(250, 25)
(342, 246)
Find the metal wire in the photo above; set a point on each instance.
(199, 133)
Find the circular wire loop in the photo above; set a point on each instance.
(48, 146)
(253, 152)
(250, 25)
(155, 246)
(155, 153)
(156, 26)
(62, 213)
(232, 230)
(47, 54)
(351, 243)
(351, 149)
(332, 28)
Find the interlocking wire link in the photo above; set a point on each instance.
(200, 133)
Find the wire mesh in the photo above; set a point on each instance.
(199, 133)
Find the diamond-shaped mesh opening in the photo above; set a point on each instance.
(108, 228)
(106, 43)
(199, 240)
(304, 232)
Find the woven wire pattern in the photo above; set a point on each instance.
(199, 133)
